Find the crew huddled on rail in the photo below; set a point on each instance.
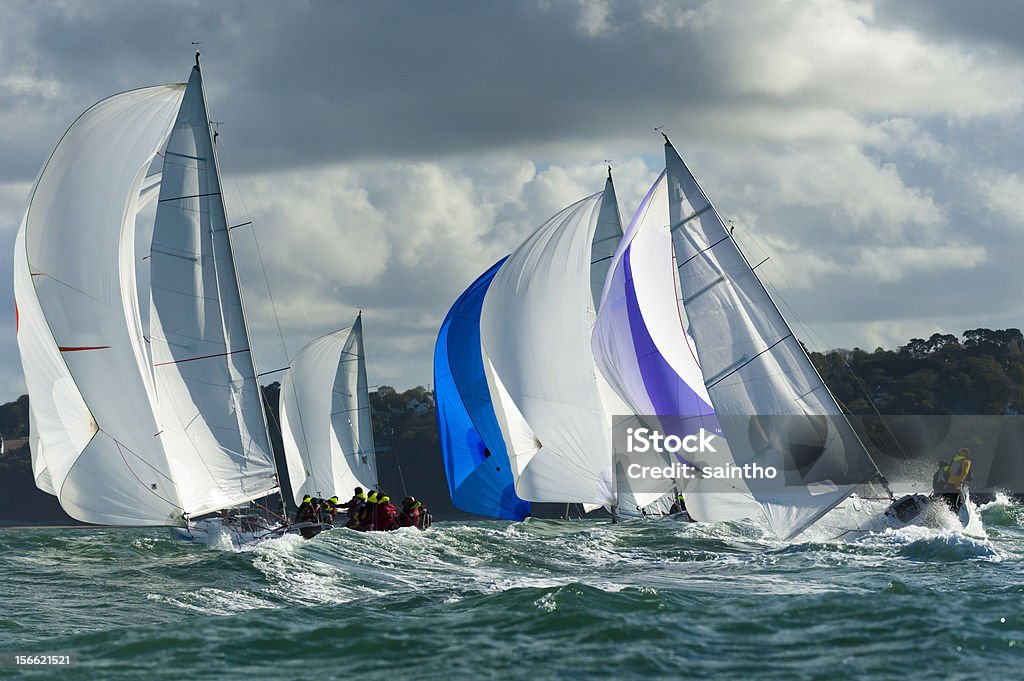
(365, 512)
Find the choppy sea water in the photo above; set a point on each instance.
(534, 600)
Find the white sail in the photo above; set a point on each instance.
(642, 348)
(209, 410)
(79, 336)
(325, 417)
(535, 330)
(755, 369)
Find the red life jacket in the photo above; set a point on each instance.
(384, 516)
(409, 517)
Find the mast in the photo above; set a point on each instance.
(241, 298)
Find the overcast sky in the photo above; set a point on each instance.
(389, 152)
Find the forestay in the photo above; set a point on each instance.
(755, 369)
(325, 417)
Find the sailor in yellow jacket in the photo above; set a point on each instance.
(949, 480)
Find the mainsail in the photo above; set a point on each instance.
(128, 431)
(475, 459)
(535, 329)
(772, 404)
(642, 349)
(209, 405)
(325, 417)
(607, 236)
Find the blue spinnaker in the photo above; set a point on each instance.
(475, 459)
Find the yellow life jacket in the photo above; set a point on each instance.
(958, 470)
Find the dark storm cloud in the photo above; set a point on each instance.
(328, 81)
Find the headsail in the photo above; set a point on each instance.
(772, 404)
(475, 459)
(209, 407)
(80, 344)
(325, 417)
(535, 330)
(642, 349)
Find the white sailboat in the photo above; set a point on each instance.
(773, 406)
(325, 417)
(137, 426)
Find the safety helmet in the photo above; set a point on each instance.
(306, 498)
(384, 499)
(333, 500)
(372, 498)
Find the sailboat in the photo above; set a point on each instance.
(136, 424)
(772, 405)
(325, 419)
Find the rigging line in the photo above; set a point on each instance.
(193, 359)
(188, 196)
(264, 373)
(703, 250)
(787, 336)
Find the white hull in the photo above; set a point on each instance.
(857, 517)
(238, 532)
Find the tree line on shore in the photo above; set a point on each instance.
(979, 372)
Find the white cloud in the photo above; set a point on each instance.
(1002, 194)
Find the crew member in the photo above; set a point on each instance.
(355, 503)
(328, 509)
(384, 515)
(410, 515)
(364, 522)
(307, 510)
(948, 481)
